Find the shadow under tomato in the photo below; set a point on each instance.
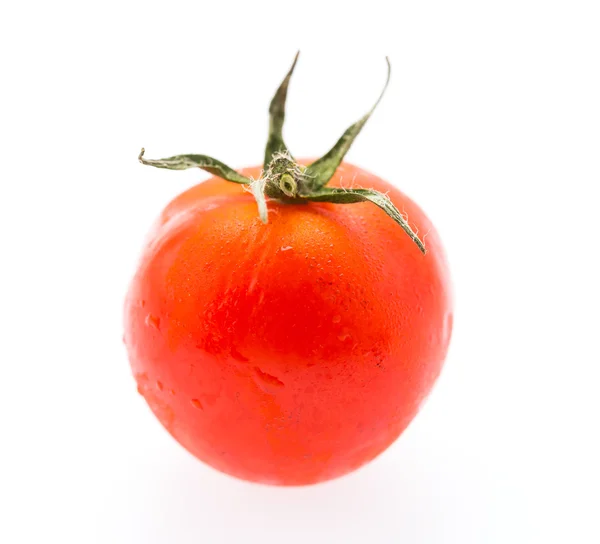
(404, 496)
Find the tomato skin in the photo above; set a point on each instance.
(293, 352)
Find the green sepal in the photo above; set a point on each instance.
(275, 143)
(183, 162)
(349, 196)
(322, 170)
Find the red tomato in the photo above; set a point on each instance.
(292, 352)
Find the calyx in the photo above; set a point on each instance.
(285, 180)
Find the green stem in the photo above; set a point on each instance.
(283, 179)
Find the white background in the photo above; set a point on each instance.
(491, 123)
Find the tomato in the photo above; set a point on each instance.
(290, 352)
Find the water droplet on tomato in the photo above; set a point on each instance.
(336, 318)
(197, 404)
(153, 321)
(267, 382)
(343, 337)
(238, 356)
(286, 248)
